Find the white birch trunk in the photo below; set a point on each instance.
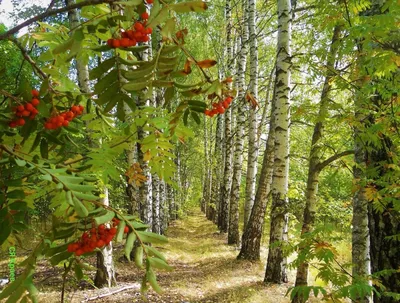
(253, 116)
(233, 232)
(227, 174)
(275, 271)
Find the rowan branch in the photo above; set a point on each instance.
(51, 13)
(28, 58)
(328, 161)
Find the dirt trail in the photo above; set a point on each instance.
(206, 270)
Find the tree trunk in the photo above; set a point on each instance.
(275, 271)
(253, 116)
(105, 274)
(233, 232)
(217, 175)
(251, 239)
(315, 159)
(156, 204)
(227, 174)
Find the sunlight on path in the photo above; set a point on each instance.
(206, 269)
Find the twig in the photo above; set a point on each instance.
(28, 58)
(111, 293)
(51, 13)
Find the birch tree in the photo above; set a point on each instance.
(253, 116)
(275, 272)
(233, 232)
(227, 173)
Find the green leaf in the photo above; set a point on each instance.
(151, 277)
(130, 241)
(5, 228)
(16, 194)
(12, 287)
(105, 218)
(80, 209)
(19, 162)
(60, 257)
(78, 272)
(151, 251)
(149, 237)
(101, 68)
(44, 148)
(63, 47)
(158, 263)
(18, 205)
(87, 197)
(120, 232)
(190, 6)
(139, 256)
(135, 86)
(130, 2)
(195, 117)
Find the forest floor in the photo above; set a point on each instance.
(205, 270)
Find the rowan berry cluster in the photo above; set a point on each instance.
(149, 1)
(25, 111)
(138, 33)
(64, 118)
(95, 238)
(219, 108)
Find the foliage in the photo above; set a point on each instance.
(38, 162)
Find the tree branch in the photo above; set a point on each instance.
(51, 13)
(328, 161)
(28, 58)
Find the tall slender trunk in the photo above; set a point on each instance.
(227, 174)
(105, 274)
(314, 161)
(275, 271)
(253, 116)
(217, 168)
(205, 200)
(163, 208)
(233, 232)
(251, 239)
(156, 204)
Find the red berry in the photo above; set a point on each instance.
(125, 42)
(145, 16)
(110, 42)
(100, 243)
(35, 102)
(220, 109)
(116, 43)
(79, 252)
(113, 231)
(12, 124)
(126, 229)
(138, 26)
(81, 108)
(149, 30)
(71, 247)
(225, 104)
(207, 112)
(35, 93)
(26, 113)
(65, 123)
(102, 227)
(20, 122)
(20, 108)
(149, 1)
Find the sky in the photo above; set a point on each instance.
(6, 7)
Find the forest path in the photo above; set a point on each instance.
(205, 271)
